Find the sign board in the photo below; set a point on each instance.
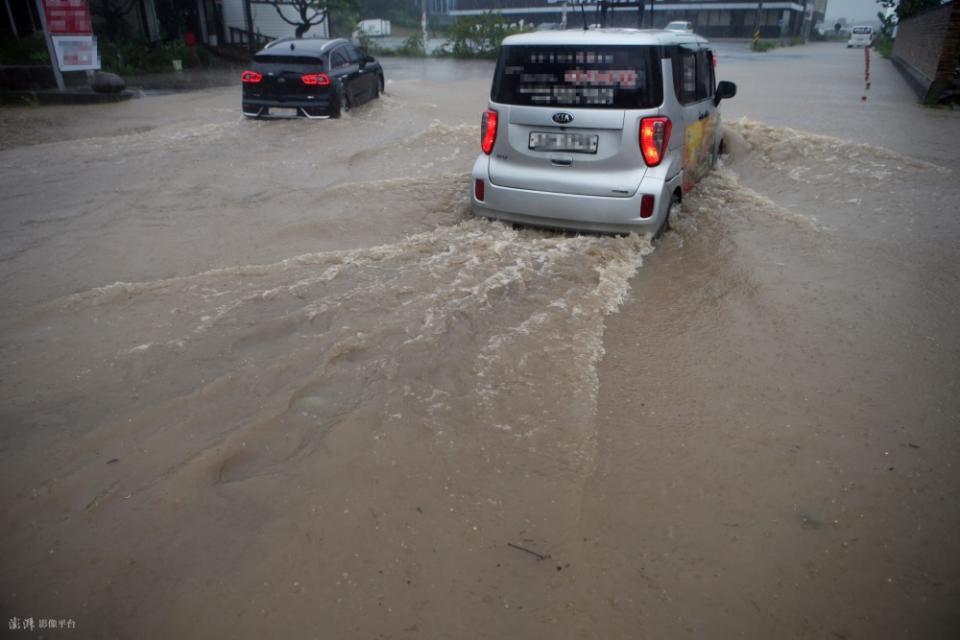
(76, 53)
(69, 33)
(67, 17)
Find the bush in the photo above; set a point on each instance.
(478, 36)
(764, 45)
(31, 49)
(413, 47)
(128, 57)
(883, 45)
(909, 8)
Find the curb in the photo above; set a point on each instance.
(54, 97)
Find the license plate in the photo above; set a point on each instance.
(571, 142)
(286, 113)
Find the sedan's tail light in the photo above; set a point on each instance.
(488, 131)
(251, 77)
(315, 79)
(654, 138)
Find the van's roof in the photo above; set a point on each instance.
(579, 37)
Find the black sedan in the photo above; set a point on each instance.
(311, 78)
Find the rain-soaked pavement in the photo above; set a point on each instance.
(270, 379)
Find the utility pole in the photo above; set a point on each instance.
(13, 22)
(248, 18)
(756, 24)
(54, 63)
(423, 23)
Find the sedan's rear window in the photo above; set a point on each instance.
(595, 77)
(265, 58)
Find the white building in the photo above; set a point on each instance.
(264, 20)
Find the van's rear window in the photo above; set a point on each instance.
(862, 30)
(596, 77)
(264, 58)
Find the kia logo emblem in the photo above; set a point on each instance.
(562, 118)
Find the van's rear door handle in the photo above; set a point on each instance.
(561, 161)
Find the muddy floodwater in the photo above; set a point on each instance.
(271, 379)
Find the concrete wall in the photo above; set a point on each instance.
(266, 20)
(927, 49)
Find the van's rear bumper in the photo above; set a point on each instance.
(569, 211)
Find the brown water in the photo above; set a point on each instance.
(270, 379)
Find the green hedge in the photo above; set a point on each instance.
(31, 49)
(128, 57)
(478, 36)
(883, 45)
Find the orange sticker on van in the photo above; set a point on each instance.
(698, 143)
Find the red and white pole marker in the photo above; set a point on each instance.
(866, 73)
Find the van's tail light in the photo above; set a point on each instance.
(654, 138)
(488, 131)
(478, 188)
(251, 77)
(315, 79)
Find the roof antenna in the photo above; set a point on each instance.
(292, 47)
(583, 16)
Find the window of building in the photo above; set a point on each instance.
(719, 18)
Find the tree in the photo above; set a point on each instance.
(113, 13)
(311, 13)
(478, 36)
(908, 8)
(888, 18)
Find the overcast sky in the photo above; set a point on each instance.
(852, 10)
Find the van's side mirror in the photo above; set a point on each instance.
(725, 91)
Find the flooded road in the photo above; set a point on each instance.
(271, 379)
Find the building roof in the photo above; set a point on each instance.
(604, 36)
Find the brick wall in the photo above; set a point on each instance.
(920, 39)
(951, 46)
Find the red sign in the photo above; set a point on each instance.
(67, 17)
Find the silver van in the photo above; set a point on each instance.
(597, 130)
